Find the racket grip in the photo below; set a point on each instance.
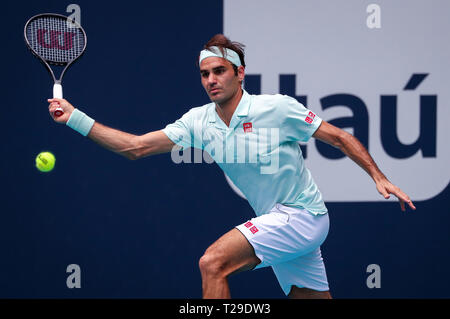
(58, 93)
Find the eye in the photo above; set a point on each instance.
(204, 74)
(219, 71)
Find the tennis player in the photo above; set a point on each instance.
(291, 219)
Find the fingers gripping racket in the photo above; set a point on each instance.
(55, 40)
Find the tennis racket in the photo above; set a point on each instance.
(55, 40)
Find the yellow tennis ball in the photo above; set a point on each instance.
(45, 161)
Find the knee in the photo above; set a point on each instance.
(211, 264)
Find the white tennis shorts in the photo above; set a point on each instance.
(288, 239)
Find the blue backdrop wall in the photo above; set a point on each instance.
(138, 228)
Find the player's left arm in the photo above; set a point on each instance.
(353, 148)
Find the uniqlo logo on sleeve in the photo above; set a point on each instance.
(310, 117)
(253, 229)
(247, 127)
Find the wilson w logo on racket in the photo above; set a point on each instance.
(55, 40)
(50, 40)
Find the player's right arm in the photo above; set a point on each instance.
(126, 144)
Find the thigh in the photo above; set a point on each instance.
(306, 271)
(233, 252)
(306, 293)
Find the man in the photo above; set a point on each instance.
(292, 220)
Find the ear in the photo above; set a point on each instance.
(241, 73)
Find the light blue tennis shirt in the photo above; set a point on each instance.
(259, 150)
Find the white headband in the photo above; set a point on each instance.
(214, 51)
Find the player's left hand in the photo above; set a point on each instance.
(386, 188)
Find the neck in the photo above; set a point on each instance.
(226, 109)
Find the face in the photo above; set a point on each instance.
(219, 80)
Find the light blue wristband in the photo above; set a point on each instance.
(80, 122)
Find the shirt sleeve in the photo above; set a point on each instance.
(298, 122)
(180, 132)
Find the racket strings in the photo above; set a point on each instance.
(55, 40)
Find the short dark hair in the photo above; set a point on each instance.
(221, 41)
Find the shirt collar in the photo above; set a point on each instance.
(241, 110)
(244, 104)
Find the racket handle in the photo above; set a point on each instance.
(57, 93)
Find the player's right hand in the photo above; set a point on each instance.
(65, 105)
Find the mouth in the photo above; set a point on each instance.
(214, 90)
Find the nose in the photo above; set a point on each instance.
(212, 79)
